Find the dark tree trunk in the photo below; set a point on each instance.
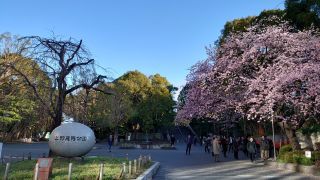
(291, 134)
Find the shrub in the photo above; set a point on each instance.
(286, 157)
(298, 157)
(315, 155)
(303, 160)
(285, 148)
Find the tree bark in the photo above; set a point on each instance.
(291, 134)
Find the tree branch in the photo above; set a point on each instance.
(74, 53)
(74, 65)
(87, 86)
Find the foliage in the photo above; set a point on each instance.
(182, 96)
(288, 155)
(265, 18)
(284, 149)
(298, 157)
(136, 99)
(310, 129)
(137, 85)
(19, 107)
(151, 98)
(303, 13)
(157, 110)
(300, 13)
(16, 100)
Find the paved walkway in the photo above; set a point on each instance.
(176, 165)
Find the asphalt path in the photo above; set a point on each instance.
(175, 164)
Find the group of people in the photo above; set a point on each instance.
(221, 145)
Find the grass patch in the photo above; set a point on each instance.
(87, 169)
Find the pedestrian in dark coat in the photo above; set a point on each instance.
(207, 144)
(230, 140)
(271, 150)
(252, 149)
(189, 144)
(172, 139)
(236, 145)
(224, 145)
(244, 146)
(110, 140)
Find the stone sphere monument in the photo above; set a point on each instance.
(72, 139)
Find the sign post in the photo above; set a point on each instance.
(45, 168)
(308, 154)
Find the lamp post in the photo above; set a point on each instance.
(273, 138)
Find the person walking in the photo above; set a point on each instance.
(189, 144)
(271, 150)
(110, 139)
(173, 140)
(224, 145)
(206, 144)
(264, 148)
(211, 144)
(236, 145)
(244, 146)
(230, 143)
(216, 149)
(252, 149)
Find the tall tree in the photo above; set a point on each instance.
(66, 62)
(137, 84)
(151, 99)
(157, 110)
(18, 106)
(262, 73)
(112, 111)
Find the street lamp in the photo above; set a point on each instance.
(273, 138)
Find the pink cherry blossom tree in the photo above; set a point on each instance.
(267, 72)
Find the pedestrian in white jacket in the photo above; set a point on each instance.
(216, 148)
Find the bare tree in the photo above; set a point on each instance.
(68, 65)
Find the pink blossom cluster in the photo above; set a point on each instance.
(255, 73)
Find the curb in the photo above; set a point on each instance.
(149, 173)
(309, 170)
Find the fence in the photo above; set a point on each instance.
(128, 170)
